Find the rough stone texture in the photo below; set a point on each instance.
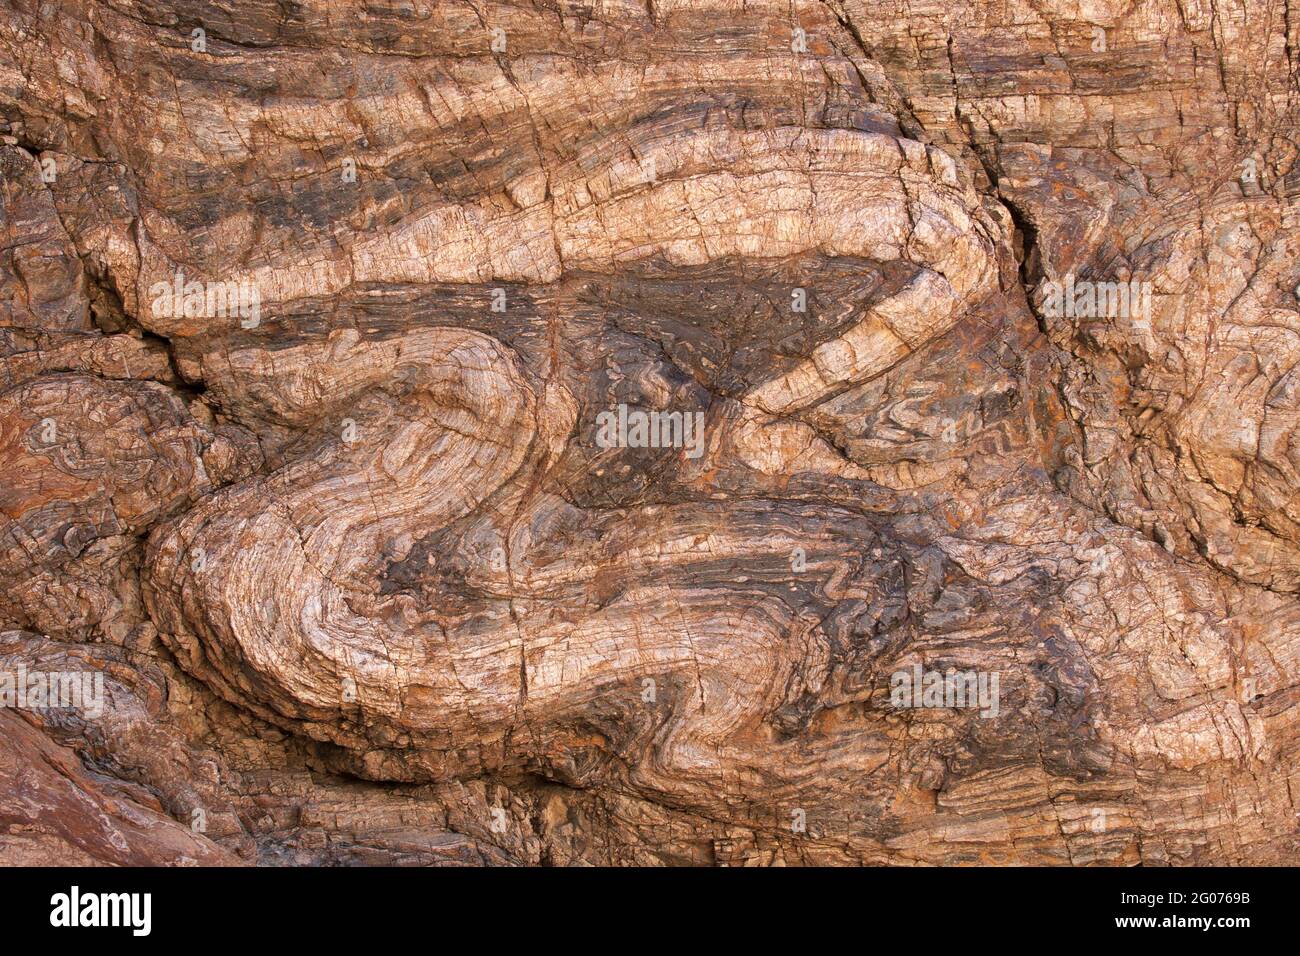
(362, 582)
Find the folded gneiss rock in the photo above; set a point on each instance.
(699, 432)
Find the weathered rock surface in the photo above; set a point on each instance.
(315, 318)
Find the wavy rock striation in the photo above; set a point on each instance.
(684, 433)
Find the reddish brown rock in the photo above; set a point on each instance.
(56, 813)
(327, 334)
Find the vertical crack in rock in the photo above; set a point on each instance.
(688, 433)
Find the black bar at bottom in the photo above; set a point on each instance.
(905, 907)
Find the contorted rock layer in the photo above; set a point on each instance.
(551, 433)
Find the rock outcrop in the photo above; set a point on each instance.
(698, 432)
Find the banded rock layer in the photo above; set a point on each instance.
(316, 318)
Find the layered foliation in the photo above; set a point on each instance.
(1181, 385)
(89, 464)
(713, 195)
